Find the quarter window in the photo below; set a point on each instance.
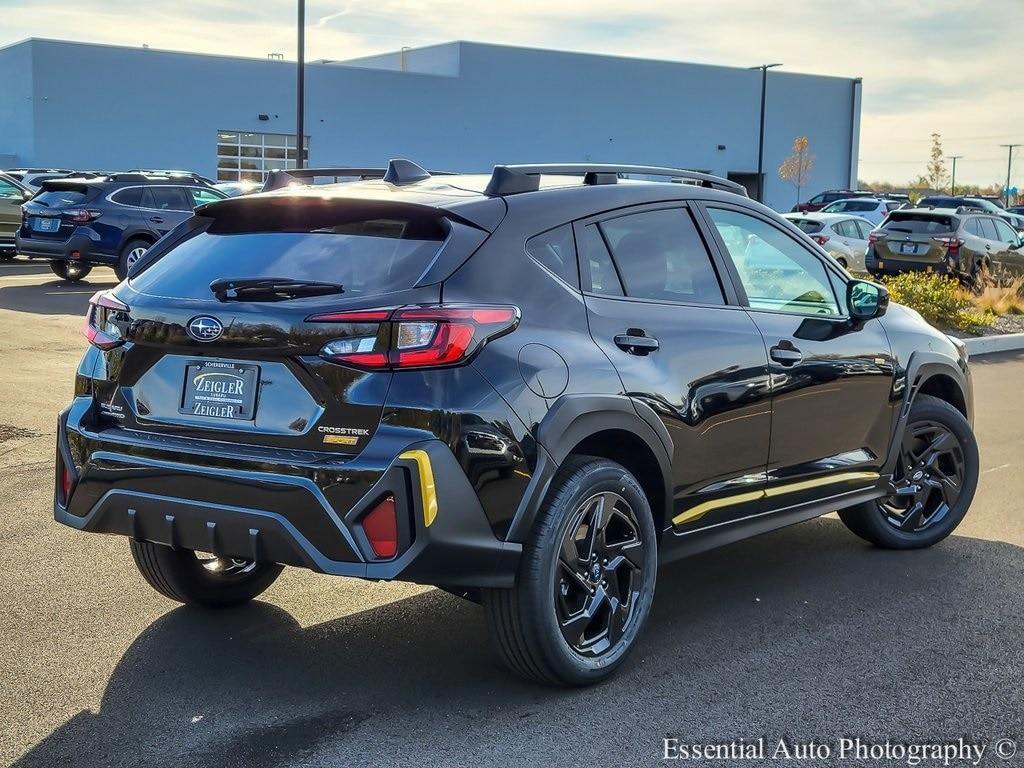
(660, 255)
(131, 196)
(777, 273)
(248, 156)
(556, 250)
(596, 268)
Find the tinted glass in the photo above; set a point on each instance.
(202, 196)
(661, 255)
(131, 196)
(170, 199)
(863, 228)
(10, 192)
(988, 229)
(366, 257)
(556, 250)
(1004, 232)
(777, 273)
(58, 198)
(972, 227)
(596, 269)
(919, 223)
(808, 225)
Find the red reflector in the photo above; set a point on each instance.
(76, 254)
(381, 528)
(357, 316)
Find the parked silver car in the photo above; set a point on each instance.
(844, 236)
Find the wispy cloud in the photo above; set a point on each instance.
(943, 65)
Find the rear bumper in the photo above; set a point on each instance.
(304, 514)
(878, 267)
(87, 248)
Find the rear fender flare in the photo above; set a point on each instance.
(572, 419)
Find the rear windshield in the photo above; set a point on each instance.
(366, 257)
(919, 223)
(807, 225)
(59, 198)
(853, 205)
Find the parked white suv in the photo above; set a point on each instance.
(845, 237)
(870, 208)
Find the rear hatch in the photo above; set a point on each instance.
(58, 208)
(915, 236)
(225, 328)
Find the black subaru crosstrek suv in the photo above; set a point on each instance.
(530, 388)
(112, 220)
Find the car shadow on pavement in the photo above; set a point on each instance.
(54, 297)
(795, 632)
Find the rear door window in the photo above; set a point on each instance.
(170, 199)
(988, 229)
(660, 255)
(1004, 233)
(202, 196)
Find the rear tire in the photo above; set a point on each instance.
(132, 251)
(70, 270)
(180, 575)
(896, 522)
(579, 602)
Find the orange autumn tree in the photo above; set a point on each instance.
(796, 169)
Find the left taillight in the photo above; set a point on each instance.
(82, 215)
(820, 239)
(416, 337)
(104, 320)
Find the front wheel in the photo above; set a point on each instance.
(201, 579)
(933, 483)
(586, 579)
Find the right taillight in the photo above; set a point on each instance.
(416, 337)
(102, 318)
(874, 237)
(820, 239)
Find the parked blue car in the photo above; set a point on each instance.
(112, 220)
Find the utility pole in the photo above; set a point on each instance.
(300, 88)
(760, 140)
(952, 183)
(1009, 166)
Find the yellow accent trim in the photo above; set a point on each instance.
(340, 440)
(428, 493)
(696, 513)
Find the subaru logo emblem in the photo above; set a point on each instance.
(204, 328)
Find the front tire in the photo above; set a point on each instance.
(209, 582)
(70, 270)
(586, 579)
(935, 480)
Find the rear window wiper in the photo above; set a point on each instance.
(270, 289)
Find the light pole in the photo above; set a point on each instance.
(1009, 166)
(952, 183)
(760, 139)
(300, 88)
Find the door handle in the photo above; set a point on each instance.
(157, 219)
(636, 342)
(786, 355)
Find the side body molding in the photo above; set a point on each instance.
(572, 419)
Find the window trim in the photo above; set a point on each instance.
(702, 206)
(110, 196)
(725, 280)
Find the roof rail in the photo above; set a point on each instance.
(513, 179)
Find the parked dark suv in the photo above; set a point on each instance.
(954, 241)
(529, 388)
(111, 220)
(828, 197)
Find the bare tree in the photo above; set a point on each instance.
(796, 169)
(937, 176)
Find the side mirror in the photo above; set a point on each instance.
(27, 195)
(866, 300)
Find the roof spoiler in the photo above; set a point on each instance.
(514, 179)
(398, 172)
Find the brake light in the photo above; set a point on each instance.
(874, 237)
(952, 243)
(81, 215)
(820, 239)
(381, 528)
(100, 328)
(417, 337)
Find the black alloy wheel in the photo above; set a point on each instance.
(928, 479)
(600, 570)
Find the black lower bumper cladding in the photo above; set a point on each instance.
(308, 518)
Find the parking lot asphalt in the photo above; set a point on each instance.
(805, 633)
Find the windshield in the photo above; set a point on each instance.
(366, 258)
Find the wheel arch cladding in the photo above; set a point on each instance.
(944, 387)
(608, 426)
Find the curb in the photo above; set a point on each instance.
(983, 345)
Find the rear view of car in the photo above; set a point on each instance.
(12, 195)
(919, 240)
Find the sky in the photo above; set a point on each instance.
(948, 66)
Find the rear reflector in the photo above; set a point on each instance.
(381, 528)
